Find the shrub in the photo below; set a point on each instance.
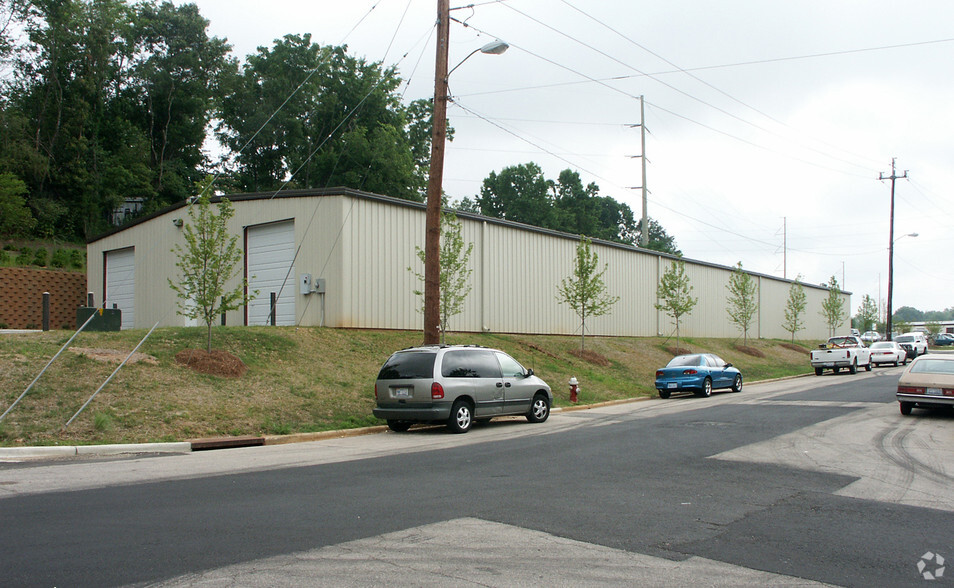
(61, 258)
(77, 258)
(40, 257)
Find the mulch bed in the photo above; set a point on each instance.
(591, 356)
(750, 351)
(793, 347)
(218, 363)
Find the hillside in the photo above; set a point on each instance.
(298, 380)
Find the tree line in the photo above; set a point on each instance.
(106, 100)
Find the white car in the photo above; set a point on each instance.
(888, 352)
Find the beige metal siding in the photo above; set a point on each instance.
(362, 246)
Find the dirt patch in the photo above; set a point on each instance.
(591, 356)
(114, 355)
(793, 347)
(674, 351)
(749, 350)
(218, 363)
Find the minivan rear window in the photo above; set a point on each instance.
(408, 366)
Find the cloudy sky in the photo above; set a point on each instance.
(769, 123)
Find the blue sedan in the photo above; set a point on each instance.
(699, 373)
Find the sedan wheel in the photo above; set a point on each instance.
(664, 394)
(737, 385)
(906, 408)
(539, 409)
(461, 417)
(706, 388)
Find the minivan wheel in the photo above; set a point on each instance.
(461, 417)
(398, 426)
(539, 409)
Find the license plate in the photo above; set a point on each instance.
(830, 364)
(933, 392)
(402, 392)
(672, 385)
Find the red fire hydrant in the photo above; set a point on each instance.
(574, 389)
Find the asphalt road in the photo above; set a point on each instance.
(794, 483)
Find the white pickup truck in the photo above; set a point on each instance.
(841, 352)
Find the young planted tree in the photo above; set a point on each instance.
(675, 294)
(867, 313)
(209, 261)
(742, 301)
(833, 307)
(455, 270)
(585, 291)
(794, 308)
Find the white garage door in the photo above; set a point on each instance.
(121, 284)
(270, 253)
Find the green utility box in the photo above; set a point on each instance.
(105, 319)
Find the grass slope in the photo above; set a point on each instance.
(299, 380)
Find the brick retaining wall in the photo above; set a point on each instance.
(21, 297)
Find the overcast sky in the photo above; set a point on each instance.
(759, 114)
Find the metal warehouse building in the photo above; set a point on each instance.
(340, 257)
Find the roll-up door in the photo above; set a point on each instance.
(270, 251)
(121, 284)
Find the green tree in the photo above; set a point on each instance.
(324, 117)
(15, 217)
(867, 314)
(933, 327)
(742, 301)
(207, 263)
(794, 307)
(455, 271)
(171, 93)
(675, 294)
(519, 193)
(585, 291)
(833, 307)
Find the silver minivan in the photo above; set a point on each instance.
(457, 385)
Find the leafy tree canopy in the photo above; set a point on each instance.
(521, 193)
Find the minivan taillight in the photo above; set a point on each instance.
(437, 391)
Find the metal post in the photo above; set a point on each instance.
(271, 312)
(46, 311)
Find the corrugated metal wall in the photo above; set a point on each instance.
(363, 245)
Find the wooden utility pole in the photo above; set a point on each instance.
(432, 237)
(892, 177)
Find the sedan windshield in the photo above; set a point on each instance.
(881, 346)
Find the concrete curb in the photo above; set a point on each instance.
(47, 452)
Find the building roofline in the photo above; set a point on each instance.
(360, 194)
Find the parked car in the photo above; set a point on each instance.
(915, 343)
(841, 352)
(699, 373)
(943, 339)
(855, 333)
(457, 385)
(871, 337)
(927, 383)
(884, 352)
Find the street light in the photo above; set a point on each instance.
(887, 322)
(435, 180)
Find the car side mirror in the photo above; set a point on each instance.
(728, 365)
(529, 372)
